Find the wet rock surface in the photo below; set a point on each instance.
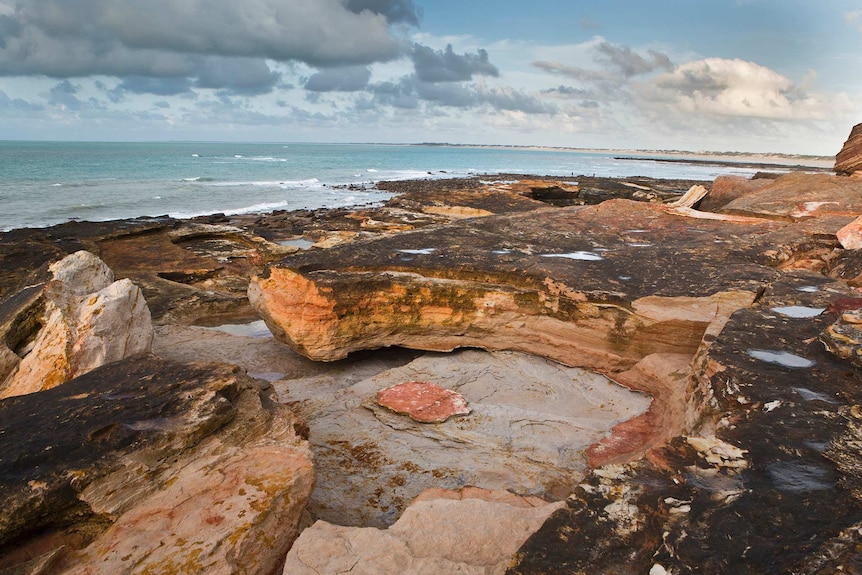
(771, 490)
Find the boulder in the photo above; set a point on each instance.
(471, 532)
(849, 159)
(151, 466)
(725, 189)
(78, 320)
(799, 195)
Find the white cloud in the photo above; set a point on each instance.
(721, 87)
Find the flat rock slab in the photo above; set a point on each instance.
(472, 532)
(532, 419)
(423, 401)
(147, 465)
(772, 488)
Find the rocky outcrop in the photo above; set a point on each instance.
(76, 321)
(439, 533)
(725, 189)
(150, 466)
(799, 196)
(849, 159)
(769, 482)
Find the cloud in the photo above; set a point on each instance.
(509, 99)
(394, 10)
(155, 86)
(447, 66)
(721, 87)
(163, 38)
(618, 63)
(349, 79)
(244, 76)
(631, 63)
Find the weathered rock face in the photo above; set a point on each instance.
(471, 532)
(587, 286)
(849, 159)
(80, 319)
(530, 423)
(768, 485)
(150, 466)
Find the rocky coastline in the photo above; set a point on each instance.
(623, 375)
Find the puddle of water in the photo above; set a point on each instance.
(254, 329)
(781, 358)
(501, 252)
(585, 256)
(624, 278)
(794, 477)
(808, 289)
(640, 245)
(809, 395)
(798, 311)
(422, 252)
(300, 243)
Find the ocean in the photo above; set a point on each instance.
(46, 183)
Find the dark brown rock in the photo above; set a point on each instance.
(116, 467)
(773, 490)
(849, 159)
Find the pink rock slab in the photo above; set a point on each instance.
(423, 401)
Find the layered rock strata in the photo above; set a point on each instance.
(150, 466)
(849, 159)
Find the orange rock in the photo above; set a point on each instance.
(849, 159)
(423, 401)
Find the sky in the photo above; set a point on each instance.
(700, 75)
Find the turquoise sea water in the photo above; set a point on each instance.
(45, 183)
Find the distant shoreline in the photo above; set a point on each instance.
(748, 159)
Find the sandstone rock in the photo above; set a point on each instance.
(725, 189)
(423, 401)
(151, 466)
(850, 236)
(559, 283)
(532, 419)
(799, 195)
(79, 320)
(849, 159)
(473, 533)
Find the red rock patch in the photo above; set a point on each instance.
(423, 401)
